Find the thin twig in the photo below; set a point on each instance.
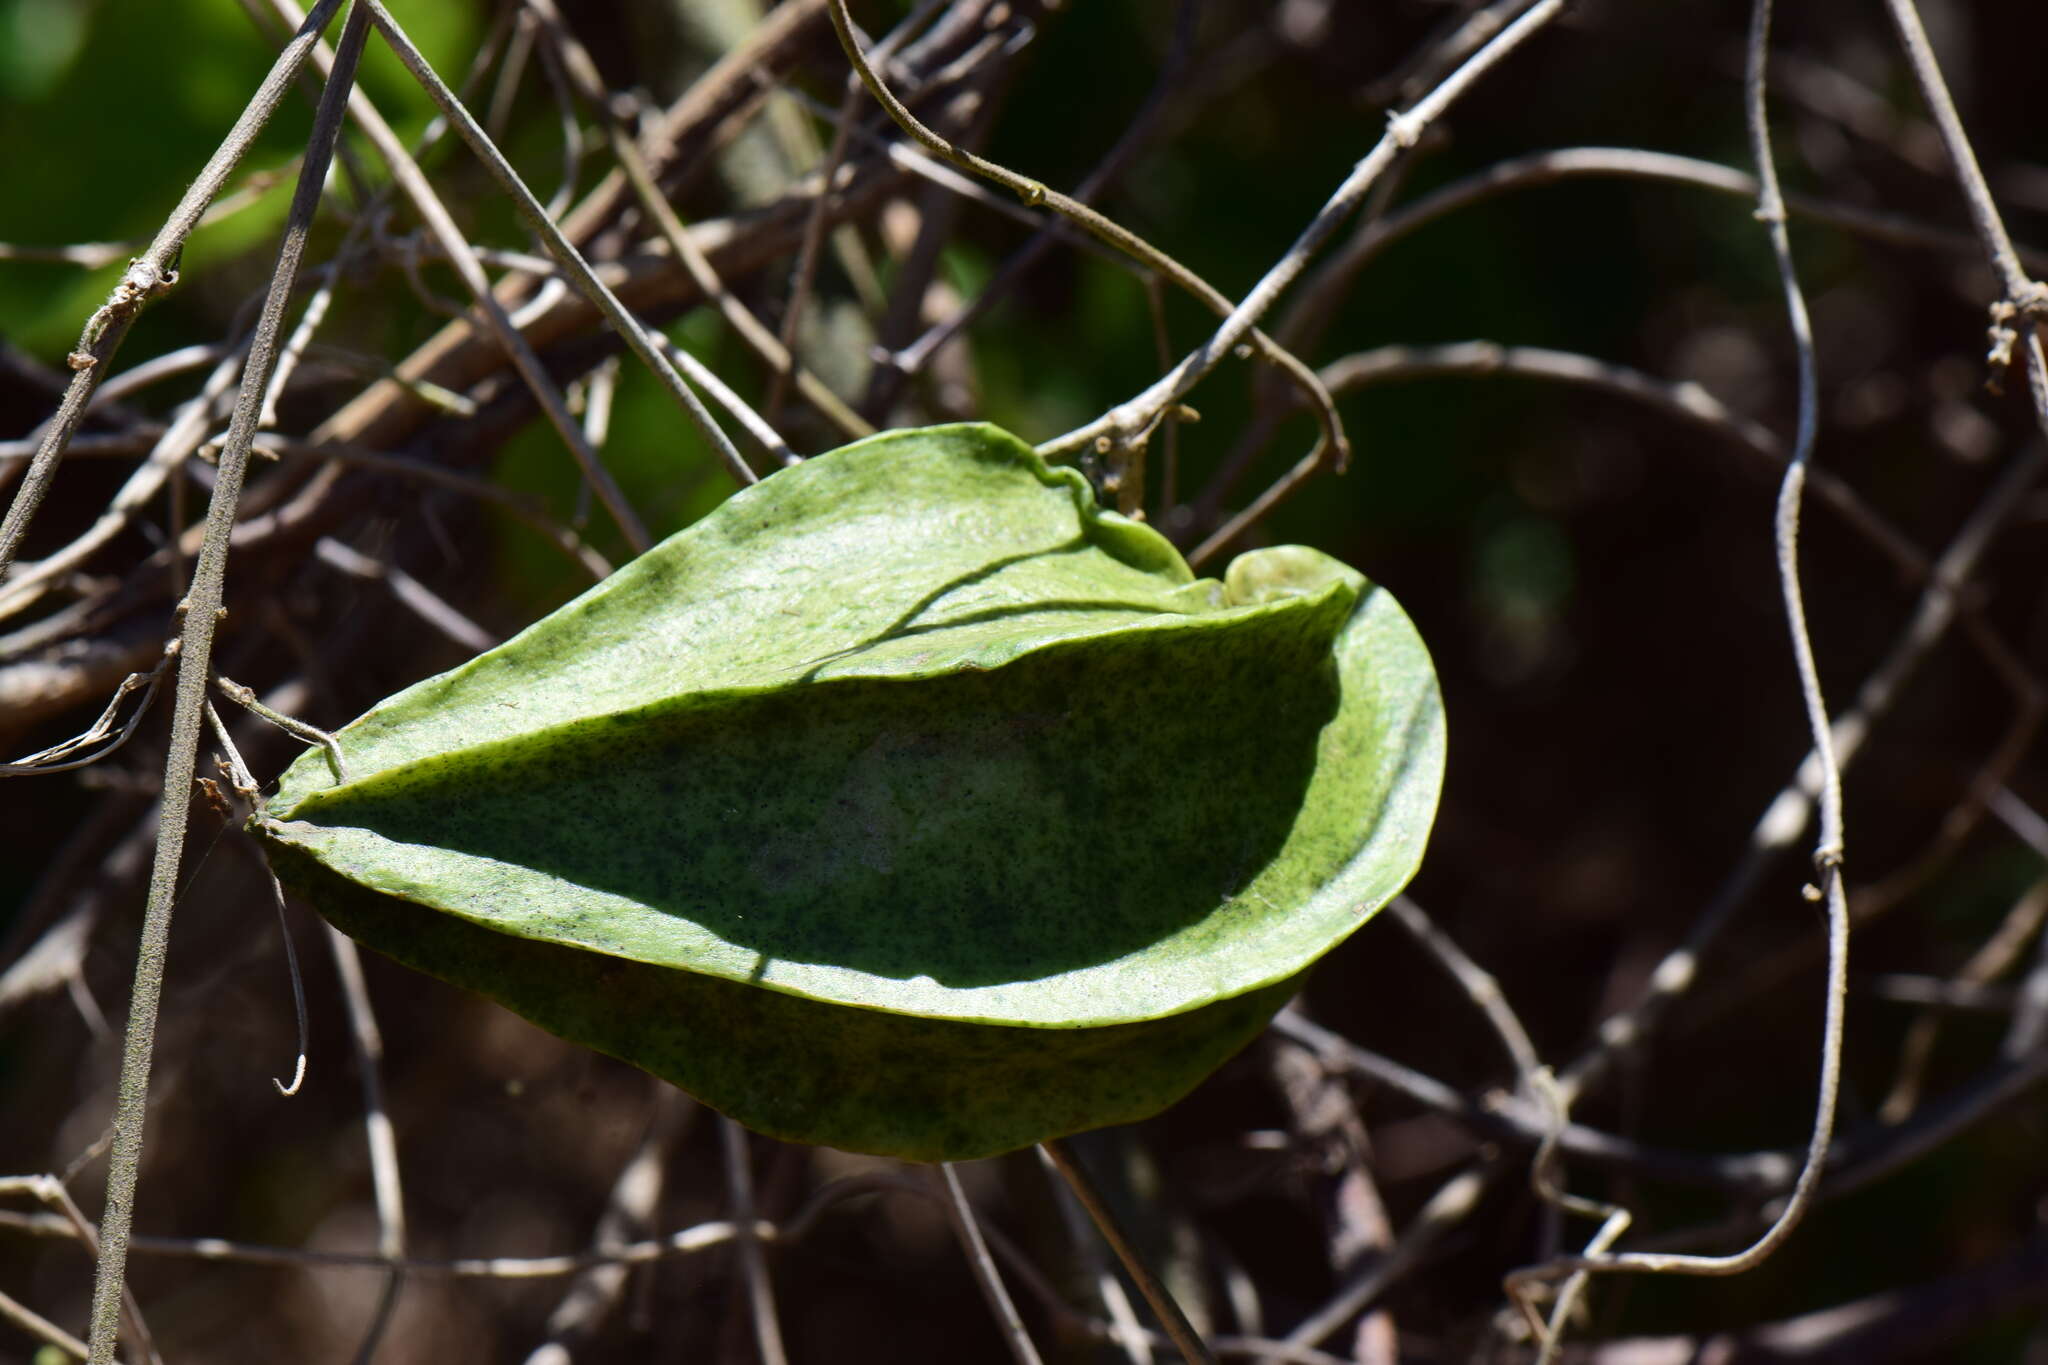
(986, 1276)
(1331, 281)
(149, 276)
(405, 170)
(51, 1191)
(1185, 1338)
(201, 610)
(98, 255)
(1170, 84)
(739, 1180)
(1331, 445)
(2020, 927)
(1938, 993)
(1984, 214)
(101, 738)
(246, 698)
(1478, 983)
(1447, 1208)
(763, 343)
(310, 320)
(586, 280)
(758, 431)
(2017, 316)
(484, 490)
(1785, 819)
(635, 1195)
(1331, 1149)
(1682, 399)
(1929, 1320)
(686, 1242)
(378, 1134)
(1514, 1120)
(417, 597)
(805, 274)
(1125, 421)
(246, 787)
(1471, 23)
(36, 1325)
(1828, 852)
(2029, 1024)
(184, 435)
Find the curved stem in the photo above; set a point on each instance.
(1108, 231)
(1140, 413)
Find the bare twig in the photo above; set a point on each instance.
(1331, 282)
(378, 1134)
(1128, 434)
(421, 600)
(51, 1191)
(2020, 927)
(442, 226)
(246, 699)
(758, 431)
(99, 739)
(1784, 820)
(36, 1325)
(2029, 1025)
(1682, 399)
(1478, 983)
(1514, 1120)
(149, 276)
(2017, 316)
(739, 1181)
(202, 608)
(635, 335)
(1171, 83)
(1098, 1268)
(986, 1276)
(1169, 1313)
(805, 274)
(590, 85)
(635, 1195)
(1448, 1207)
(1123, 423)
(179, 440)
(1925, 1321)
(1332, 1146)
(246, 788)
(1828, 852)
(685, 1242)
(484, 490)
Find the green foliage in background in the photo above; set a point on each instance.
(73, 71)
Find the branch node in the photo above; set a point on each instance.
(2028, 304)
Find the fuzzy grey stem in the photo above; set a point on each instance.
(201, 611)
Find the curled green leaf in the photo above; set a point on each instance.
(908, 803)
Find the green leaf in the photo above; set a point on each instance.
(907, 803)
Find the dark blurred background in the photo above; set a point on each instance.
(1594, 576)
